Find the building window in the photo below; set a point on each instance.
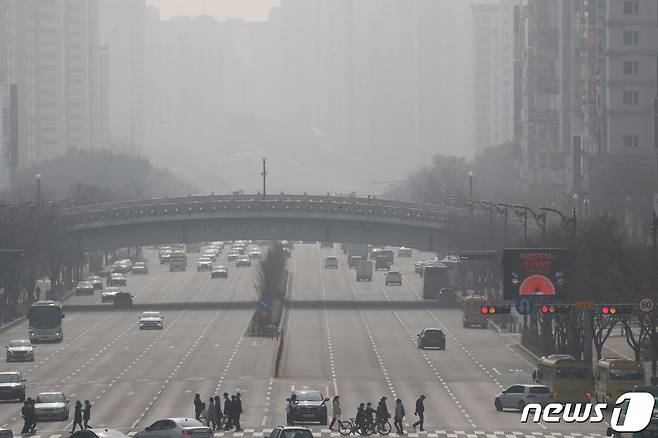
(632, 7)
(631, 67)
(631, 141)
(631, 97)
(631, 38)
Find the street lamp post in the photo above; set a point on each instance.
(470, 189)
(38, 177)
(264, 174)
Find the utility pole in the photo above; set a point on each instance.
(264, 173)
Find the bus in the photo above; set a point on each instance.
(614, 377)
(376, 252)
(45, 321)
(435, 278)
(473, 311)
(570, 380)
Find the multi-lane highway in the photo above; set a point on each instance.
(355, 339)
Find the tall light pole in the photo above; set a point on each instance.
(38, 177)
(470, 189)
(264, 174)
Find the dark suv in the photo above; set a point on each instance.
(432, 338)
(12, 386)
(309, 405)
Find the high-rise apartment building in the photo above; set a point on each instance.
(493, 46)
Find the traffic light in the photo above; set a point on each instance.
(494, 310)
(555, 308)
(614, 309)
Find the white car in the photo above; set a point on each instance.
(204, 264)
(150, 320)
(254, 254)
(393, 277)
(52, 406)
(107, 294)
(517, 396)
(176, 428)
(209, 254)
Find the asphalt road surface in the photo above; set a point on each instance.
(355, 339)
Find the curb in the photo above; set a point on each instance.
(530, 353)
(492, 324)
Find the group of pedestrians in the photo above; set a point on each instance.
(367, 416)
(81, 416)
(217, 418)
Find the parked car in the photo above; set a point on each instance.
(84, 288)
(517, 396)
(12, 386)
(311, 405)
(431, 338)
(176, 428)
(52, 406)
(219, 272)
(20, 350)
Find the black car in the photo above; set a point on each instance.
(123, 299)
(447, 297)
(309, 405)
(432, 338)
(12, 386)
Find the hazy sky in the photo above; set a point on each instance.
(250, 10)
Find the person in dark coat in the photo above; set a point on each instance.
(420, 412)
(198, 406)
(360, 415)
(32, 415)
(77, 416)
(227, 412)
(237, 410)
(382, 411)
(25, 412)
(218, 412)
(399, 416)
(86, 414)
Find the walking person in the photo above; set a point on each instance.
(210, 420)
(86, 414)
(420, 412)
(25, 412)
(237, 411)
(32, 415)
(360, 418)
(292, 409)
(77, 416)
(198, 406)
(399, 416)
(382, 411)
(218, 413)
(227, 412)
(335, 412)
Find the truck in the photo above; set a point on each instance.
(364, 270)
(357, 249)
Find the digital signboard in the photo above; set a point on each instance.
(535, 272)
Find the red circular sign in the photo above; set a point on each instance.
(537, 285)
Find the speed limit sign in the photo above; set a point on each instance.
(646, 305)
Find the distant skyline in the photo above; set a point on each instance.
(249, 10)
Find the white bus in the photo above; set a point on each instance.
(45, 321)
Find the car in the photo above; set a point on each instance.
(107, 294)
(117, 279)
(243, 261)
(51, 406)
(517, 396)
(104, 273)
(96, 282)
(6, 433)
(291, 432)
(20, 350)
(404, 252)
(311, 405)
(331, 262)
(97, 433)
(447, 297)
(123, 299)
(176, 428)
(232, 256)
(393, 277)
(150, 320)
(164, 256)
(12, 386)
(255, 254)
(122, 266)
(84, 288)
(431, 338)
(203, 264)
(382, 262)
(140, 268)
(418, 267)
(219, 272)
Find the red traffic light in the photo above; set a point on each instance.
(555, 308)
(492, 310)
(615, 309)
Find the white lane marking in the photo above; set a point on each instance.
(499, 373)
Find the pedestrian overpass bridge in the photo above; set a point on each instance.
(276, 217)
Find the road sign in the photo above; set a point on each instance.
(646, 305)
(264, 304)
(524, 306)
(585, 305)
